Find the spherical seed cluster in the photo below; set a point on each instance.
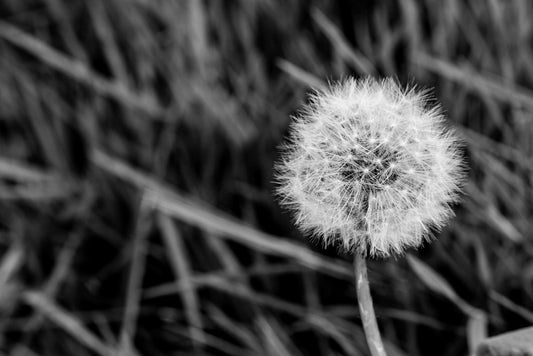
(370, 168)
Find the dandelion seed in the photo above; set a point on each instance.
(369, 168)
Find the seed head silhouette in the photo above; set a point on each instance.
(370, 167)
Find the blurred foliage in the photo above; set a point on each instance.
(137, 139)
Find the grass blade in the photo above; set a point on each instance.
(220, 224)
(177, 255)
(79, 71)
(68, 322)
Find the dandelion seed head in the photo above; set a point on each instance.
(370, 168)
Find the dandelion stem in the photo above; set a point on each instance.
(366, 307)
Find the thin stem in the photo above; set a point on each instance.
(366, 307)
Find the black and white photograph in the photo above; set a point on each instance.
(266, 178)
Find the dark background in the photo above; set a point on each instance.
(137, 140)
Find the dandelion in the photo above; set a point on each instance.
(370, 168)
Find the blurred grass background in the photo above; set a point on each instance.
(137, 139)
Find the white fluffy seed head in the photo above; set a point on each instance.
(370, 168)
